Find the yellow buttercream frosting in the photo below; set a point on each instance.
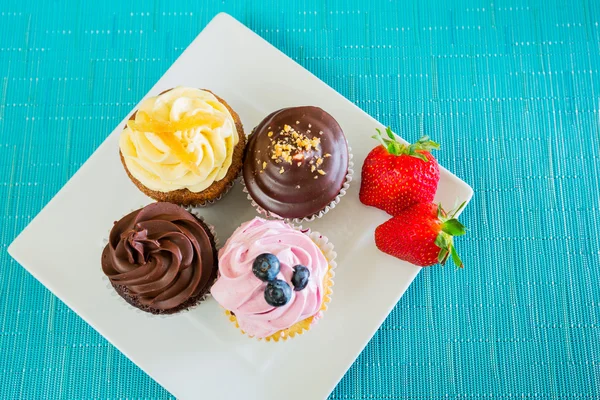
(181, 139)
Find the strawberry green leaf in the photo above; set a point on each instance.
(379, 138)
(442, 240)
(457, 210)
(453, 227)
(441, 213)
(449, 227)
(391, 143)
(455, 258)
(394, 145)
(420, 156)
(395, 148)
(443, 256)
(389, 132)
(426, 144)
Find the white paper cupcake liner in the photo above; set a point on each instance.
(324, 244)
(204, 297)
(320, 214)
(330, 254)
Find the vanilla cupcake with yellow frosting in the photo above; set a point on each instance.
(184, 146)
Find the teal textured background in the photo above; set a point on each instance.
(510, 87)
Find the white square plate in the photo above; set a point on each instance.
(200, 353)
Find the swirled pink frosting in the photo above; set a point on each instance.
(239, 291)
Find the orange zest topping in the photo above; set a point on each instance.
(166, 129)
(145, 123)
(187, 158)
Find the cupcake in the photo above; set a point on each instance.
(160, 258)
(297, 164)
(184, 146)
(274, 280)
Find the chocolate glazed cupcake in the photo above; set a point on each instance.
(160, 259)
(297, 164)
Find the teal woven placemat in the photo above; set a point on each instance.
(510, 87)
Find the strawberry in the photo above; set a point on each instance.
(396, 176)
(422, 235)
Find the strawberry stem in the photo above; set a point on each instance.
(455, 258)
(394, 146)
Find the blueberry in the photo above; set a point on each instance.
(266, 267)
(300, 277)
(278, 293)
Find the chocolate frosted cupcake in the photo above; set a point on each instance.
(297, 163)
(160, 258)
(184, 146)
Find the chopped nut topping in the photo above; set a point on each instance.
(270, 134)
(327, 155)
(298, 157)
(297, 122)
(299, 164)
(320, 171)
(292, 146)
(319, 161)
(264, 164)
(313, 168)
(320, 132)
(309, 125)
(316, 177)
(281, 171)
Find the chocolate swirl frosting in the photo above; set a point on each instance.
(160, 258)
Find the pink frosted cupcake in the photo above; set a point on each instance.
(274, 280)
